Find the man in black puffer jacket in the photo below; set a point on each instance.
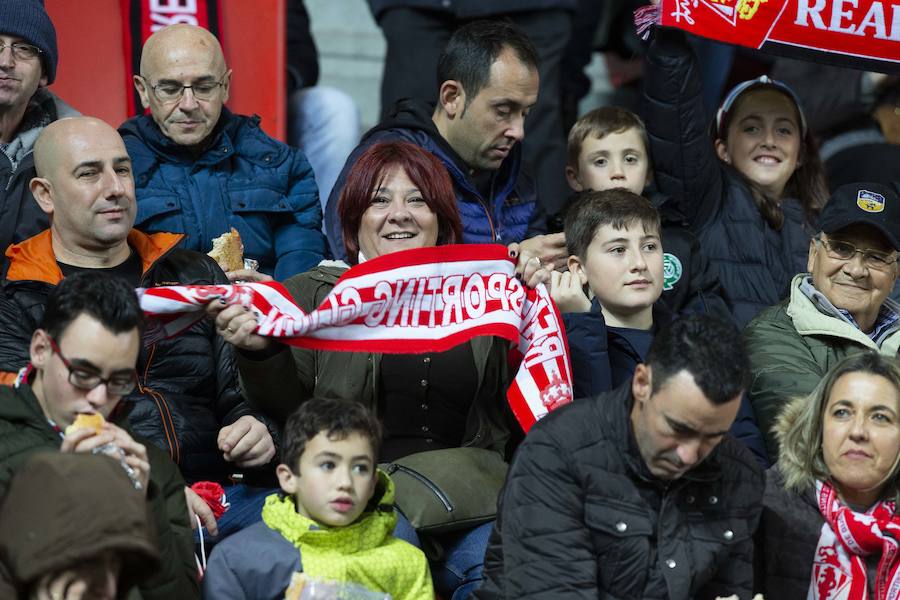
(639, 493)
(188, 401)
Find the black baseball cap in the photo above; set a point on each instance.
(864, 203)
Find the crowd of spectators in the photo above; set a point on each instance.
(725, 288)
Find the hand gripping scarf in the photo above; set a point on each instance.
(408, 302)
(839, 566)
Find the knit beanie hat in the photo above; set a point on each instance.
(27, 19)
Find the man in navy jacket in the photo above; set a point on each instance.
(201, 170)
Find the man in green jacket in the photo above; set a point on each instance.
(840, 307)
(82, 361)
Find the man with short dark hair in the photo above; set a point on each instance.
(639, 492)
(82, 361)
(188, 400)
(841, 306)
(201, 170)
(488, 81)
(28, 59)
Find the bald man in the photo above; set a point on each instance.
(201, 170)
(188, 401)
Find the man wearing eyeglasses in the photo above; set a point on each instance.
(840, 307)
(188, 401)
(28, 59)
(201, 170)
(82, 360)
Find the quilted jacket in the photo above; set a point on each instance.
(581, 516)
(245, 179)
(754, 262)
(188, 384)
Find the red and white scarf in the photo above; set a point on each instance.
(839, 567)
(864, 34)
(409, 302)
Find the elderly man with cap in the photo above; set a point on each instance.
(28, 58)
(839, 307)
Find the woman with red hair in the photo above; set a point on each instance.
(397, 196)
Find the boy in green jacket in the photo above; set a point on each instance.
(333, 521)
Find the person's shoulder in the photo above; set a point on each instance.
(774, 316)
(585, 420)
(401, 551)
(249, 540)
(738, 465)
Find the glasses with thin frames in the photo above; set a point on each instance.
(168, 92)
(21, 51)
(85, 379)
(873, 259)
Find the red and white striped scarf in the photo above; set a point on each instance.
(839, 567)
(408, 302)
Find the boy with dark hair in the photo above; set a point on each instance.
(333, 521)
(607, 149)
(614, 252)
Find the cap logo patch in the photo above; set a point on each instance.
(870, 201)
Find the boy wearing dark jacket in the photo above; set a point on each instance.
(615, 251)
(608, 149)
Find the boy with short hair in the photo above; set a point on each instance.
(615, 251)
(333, 521)
(608, 148)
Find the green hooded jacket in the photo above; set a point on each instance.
(791, 346)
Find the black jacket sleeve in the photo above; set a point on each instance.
(541, 547)
(685, 164)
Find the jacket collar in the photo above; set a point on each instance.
(219, 144)
(369, 530)
(34, 260)
(809, 320)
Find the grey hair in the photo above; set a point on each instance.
(799, 426)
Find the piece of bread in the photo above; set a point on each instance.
(228, 251)
(295, 589)
(93, 421)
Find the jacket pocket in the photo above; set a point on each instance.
(256, 200)
(161, 213)
(622, 541)
(726, 529)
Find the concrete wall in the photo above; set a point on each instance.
(351, 51)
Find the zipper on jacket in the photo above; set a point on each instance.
(439, 494)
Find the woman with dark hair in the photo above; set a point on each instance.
(830, 518)
(397, 196)
(752, 192)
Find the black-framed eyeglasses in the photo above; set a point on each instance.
(21, 51)
(873, 259)
(168, 91)
(86, 379)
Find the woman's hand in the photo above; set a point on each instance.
(237, 326)
(568, 293)
(550, 251)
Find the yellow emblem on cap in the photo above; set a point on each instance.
(870, 201)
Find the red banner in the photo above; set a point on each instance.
(143, 18)
(413, 301)
(859, 33)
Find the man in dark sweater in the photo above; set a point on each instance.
(639, 493)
